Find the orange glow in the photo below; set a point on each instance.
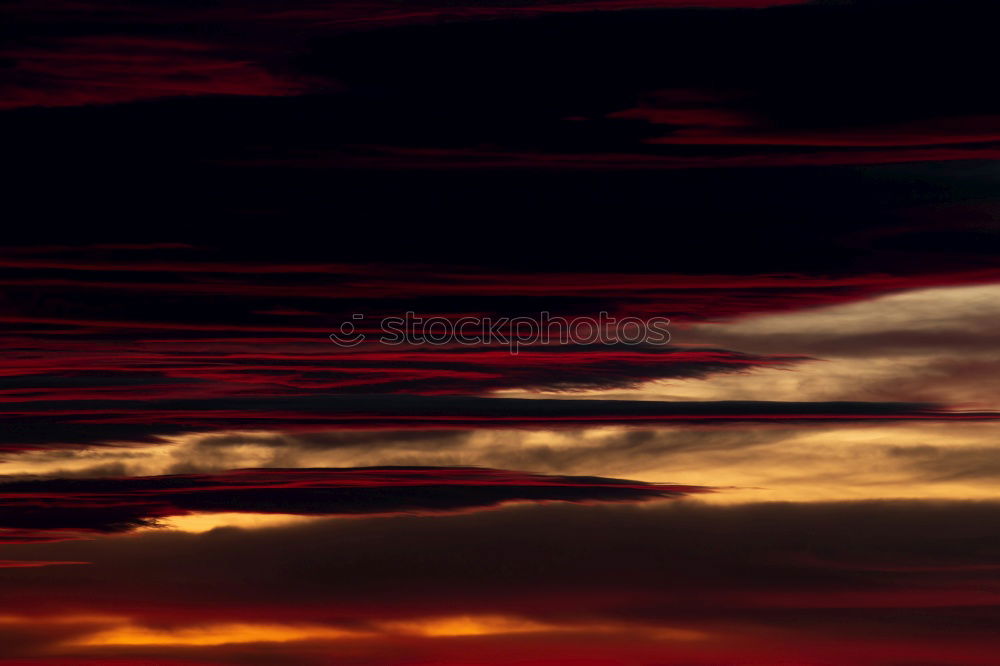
(214, 634)
(127, 633)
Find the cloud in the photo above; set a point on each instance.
(754, 461)
(210, 346)
(849, 580)
(957, 319)
(210, 349)
(84, 422)
(926, 344)
(617, 107)
(111, 505)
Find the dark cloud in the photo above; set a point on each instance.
(80, 422)
(122, 504)
(812, 552)
(196, 367)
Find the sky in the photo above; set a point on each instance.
(762, 432)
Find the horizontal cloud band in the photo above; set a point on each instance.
(121, 504)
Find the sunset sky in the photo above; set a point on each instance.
(193, 472)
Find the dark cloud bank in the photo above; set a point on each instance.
(56, 507)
